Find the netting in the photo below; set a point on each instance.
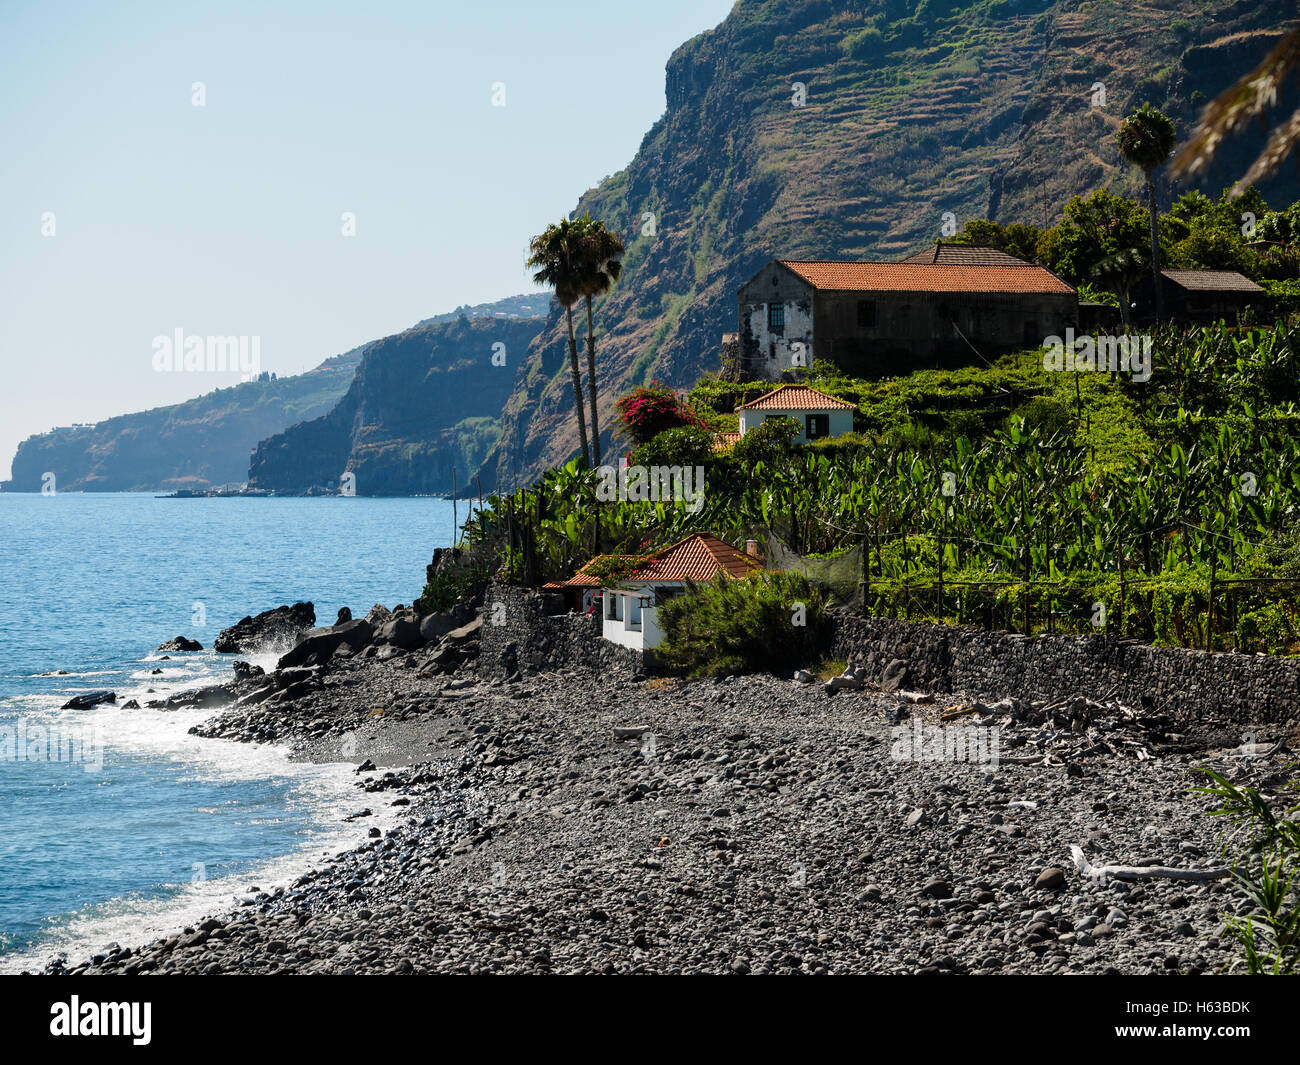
(839, 573)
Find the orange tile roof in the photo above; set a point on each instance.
(926, 277)
(796, 397)
(965, 255)
(726, 441)
(581, 579)
(697, 558)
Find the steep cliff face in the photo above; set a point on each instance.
(202, 443)
(811, 128)
(206, 441)
(421, 403)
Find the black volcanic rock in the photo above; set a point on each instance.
(282, 626)
(319, 645)
(181, 643)
(89, 699)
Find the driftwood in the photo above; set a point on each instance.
(1142, 872)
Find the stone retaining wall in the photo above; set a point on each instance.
(1198, 686)
(525, 630)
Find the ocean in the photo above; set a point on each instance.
(117, 824)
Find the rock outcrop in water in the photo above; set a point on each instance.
(281, 627)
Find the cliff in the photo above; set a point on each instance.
(806, 128)
(422, 402)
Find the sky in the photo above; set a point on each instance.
(189, 166)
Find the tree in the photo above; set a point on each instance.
(598, 267)
(1093, 227)
(1236, 106)
(1119, 273)
(553, 256)
(1146, 138)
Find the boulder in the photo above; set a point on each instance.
(181, 643)
(200, 698)
(246, 670)
(345, 615)
(401, 631)
(89, 699)
(282, 626)
(894, 676)
(378, 614)
(319, 645)
(433, 626)
(465, 632)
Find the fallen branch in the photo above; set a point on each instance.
(1141, 872)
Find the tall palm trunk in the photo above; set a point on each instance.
(577, 381)
(1155, 243)
(591, 387)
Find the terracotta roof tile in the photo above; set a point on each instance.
(726, 441)
(581, 579)
(965, 255)
(926, 277)
(697, 558)
(796, 397)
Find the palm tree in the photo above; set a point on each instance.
(598, 266)
(1145, 139)
(1119, 273)
(553, 256)
(1237, 105)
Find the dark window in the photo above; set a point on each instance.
(817, 426)
(1032, 336)
(776, 316)
(867, 313)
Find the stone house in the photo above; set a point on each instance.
(1202, 295)
(877, 319)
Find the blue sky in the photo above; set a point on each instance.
(226, 219)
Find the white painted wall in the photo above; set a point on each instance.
(636, 624)
(841, 421)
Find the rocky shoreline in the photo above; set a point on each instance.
(569, 822)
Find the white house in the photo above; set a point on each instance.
(817, 414)
(630, 612)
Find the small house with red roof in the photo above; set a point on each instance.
(815, 413)
(630, 611)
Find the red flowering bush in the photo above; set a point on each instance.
(647, 412)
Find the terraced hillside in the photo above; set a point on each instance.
(807, 128)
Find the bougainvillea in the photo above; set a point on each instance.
(646, 412)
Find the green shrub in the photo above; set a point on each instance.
(455, 584)
(767, 622)
(688, 445)
(1263, 845)
(768, 443)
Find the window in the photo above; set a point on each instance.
(867, 314)
(613, 607)
(817, 425)
(633, 612)
(776, 316)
